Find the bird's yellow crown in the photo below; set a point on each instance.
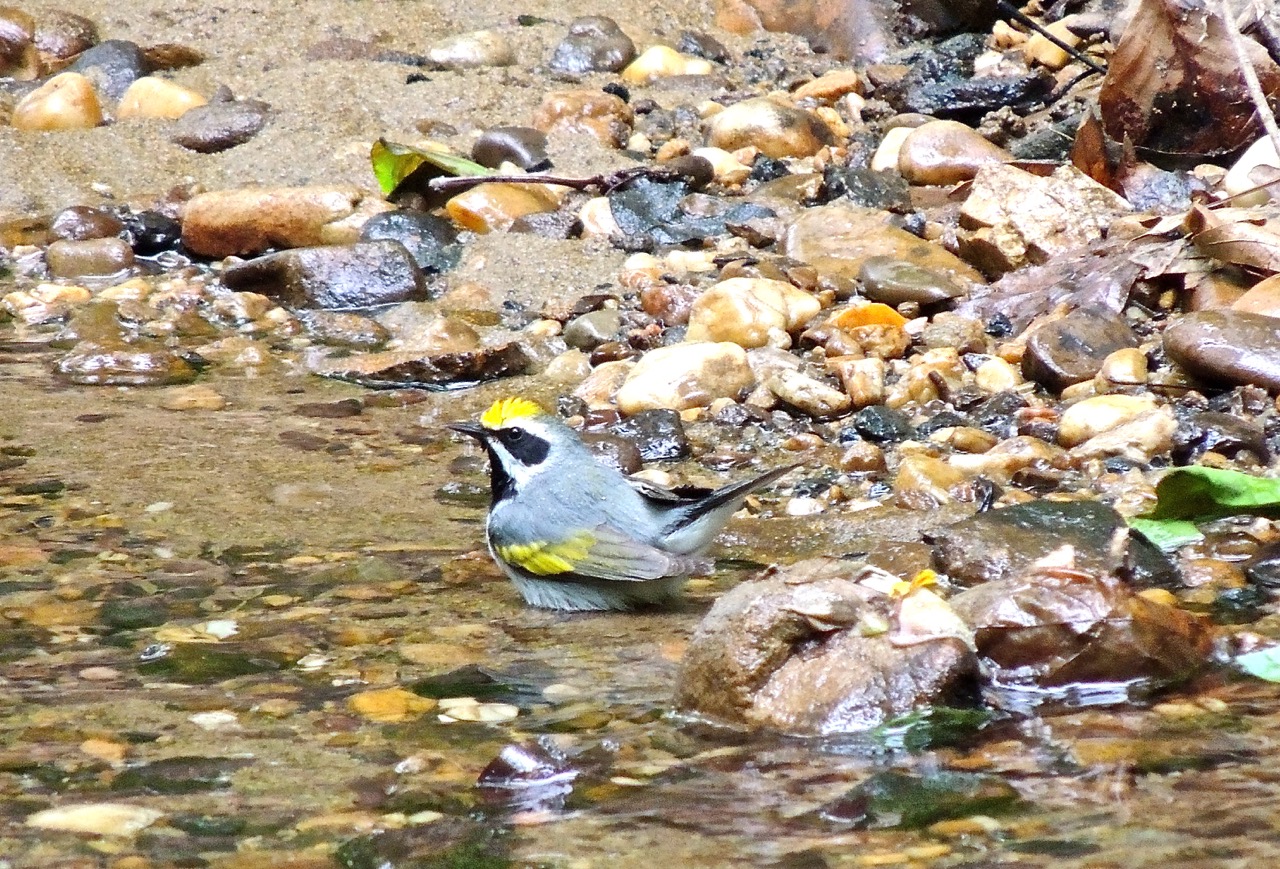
(506, 409)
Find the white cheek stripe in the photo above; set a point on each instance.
(519, 472)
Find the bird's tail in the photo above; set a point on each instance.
(722, 501)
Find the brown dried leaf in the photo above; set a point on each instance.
(1242, 236)
(1174, 86)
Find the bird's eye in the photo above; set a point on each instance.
(515, 435)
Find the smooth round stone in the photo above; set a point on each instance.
(830, 86)
(112, 66)
(888, 152)
(593, 329)
(685, 376)
(473, 50)
(702, 45)
(522, 146)
(495, 207)
(19, 58)
(751, 312)
(357, 275)
(892, 281)
(65, 102)
(98, 256)
(595, 44)
(80, 222)
(836, 240)
(1263, 298)
(1099, 414)
(151, 97)
(945, 152)
(62, 35)
(216, 127)
(1238, 348)
(777, 130)
(1072, 349)
(431, 240)
(809, 396)
(1121, 370)
(663, 61)
(249, 220)
(585, 112)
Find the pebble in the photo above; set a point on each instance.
(343, 329)
(1038, 49)
(836, 240)
(725, 167)
(889, 151)
(830, 86)
(96, 256)
(1017, 219)
(584, 112)
(46, 303)
(924, 481)
(63, 35)
(777, 130)
(80, 222)
(1142, 438)
(1121, 371)
(599, 388)
(357, 275)
(684, 376)
(194, 397)
(894, 281)
(663, 61)
(417, 327)
(102, 819)
(946, 152)
(473, 50)
(249, 220)
(19, 58)
(432, 241)
(1237, 348)
(1257, 165)
(595, 43)
(997, 375)
(495, 207)
(593, 329)
(1073, 348)
(151, 97)
(809, 395)
(1099, 414)
(217, 127)
(112, 65)
(520, 146)
(389, 705)
(597, 219)
(751, 312)
(863, 379)
(65, 102)
(1262, 298)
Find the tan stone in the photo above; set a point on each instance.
(586, 112)
(777, 130)
(662, 61)
(830, 86)
(65, 102)
(751, 312)
(151, 97)
(1099, 414)
(685, 375)
(494, 207)
(946, 152)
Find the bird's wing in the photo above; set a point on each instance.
(602, 552)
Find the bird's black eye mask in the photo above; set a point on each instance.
(527, 449)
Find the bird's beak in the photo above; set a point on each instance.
(470, 429)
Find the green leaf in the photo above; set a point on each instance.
(1264, 663)
(1206, 493)
(933, 727)
(393, 163)
(1167, 534)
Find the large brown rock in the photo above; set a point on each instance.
(1231, 347)
(249, 220)
(798, 651)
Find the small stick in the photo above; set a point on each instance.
(605, 183)
(1016, 14)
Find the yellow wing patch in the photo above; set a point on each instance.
(544, 557)
(506, 409)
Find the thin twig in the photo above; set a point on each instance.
(605, 182)
(1016, 14)
(1250, 74)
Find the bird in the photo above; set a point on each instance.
(575, 534)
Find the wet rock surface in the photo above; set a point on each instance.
(1234, 347)
(334, 276)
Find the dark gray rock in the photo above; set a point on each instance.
(589, 331)
(523, 146)
(216, 127)
(1072, 349)
(894, 281)
(112, 66)
(1235, 348)
(658, 434)
(358, 275)
(595, 44)
(431, 241)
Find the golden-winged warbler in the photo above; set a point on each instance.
(575, 534)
